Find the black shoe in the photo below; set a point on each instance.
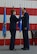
(11, 49)
(25, 48)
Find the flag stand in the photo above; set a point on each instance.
(4, 39)
(20, 38)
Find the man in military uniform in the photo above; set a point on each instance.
(25, 28)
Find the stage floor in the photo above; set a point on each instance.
(5, 50)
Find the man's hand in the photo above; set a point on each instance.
(25, 28)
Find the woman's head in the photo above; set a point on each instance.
(13, 12)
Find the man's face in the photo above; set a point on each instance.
(24, 11)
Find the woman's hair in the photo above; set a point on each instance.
(12, 11)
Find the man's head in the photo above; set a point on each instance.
(13, 12)
(24, 10)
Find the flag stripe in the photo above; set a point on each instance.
(18, 3)
(31, 21)
(17, 41)
(32, 26)
(31, 11)
(8, 35)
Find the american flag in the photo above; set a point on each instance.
(31, 7)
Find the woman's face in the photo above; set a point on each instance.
(14, 12)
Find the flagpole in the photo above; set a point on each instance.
(4, 36)
(4, 41)
(4, 23)
(20, 37)
(20, 31)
